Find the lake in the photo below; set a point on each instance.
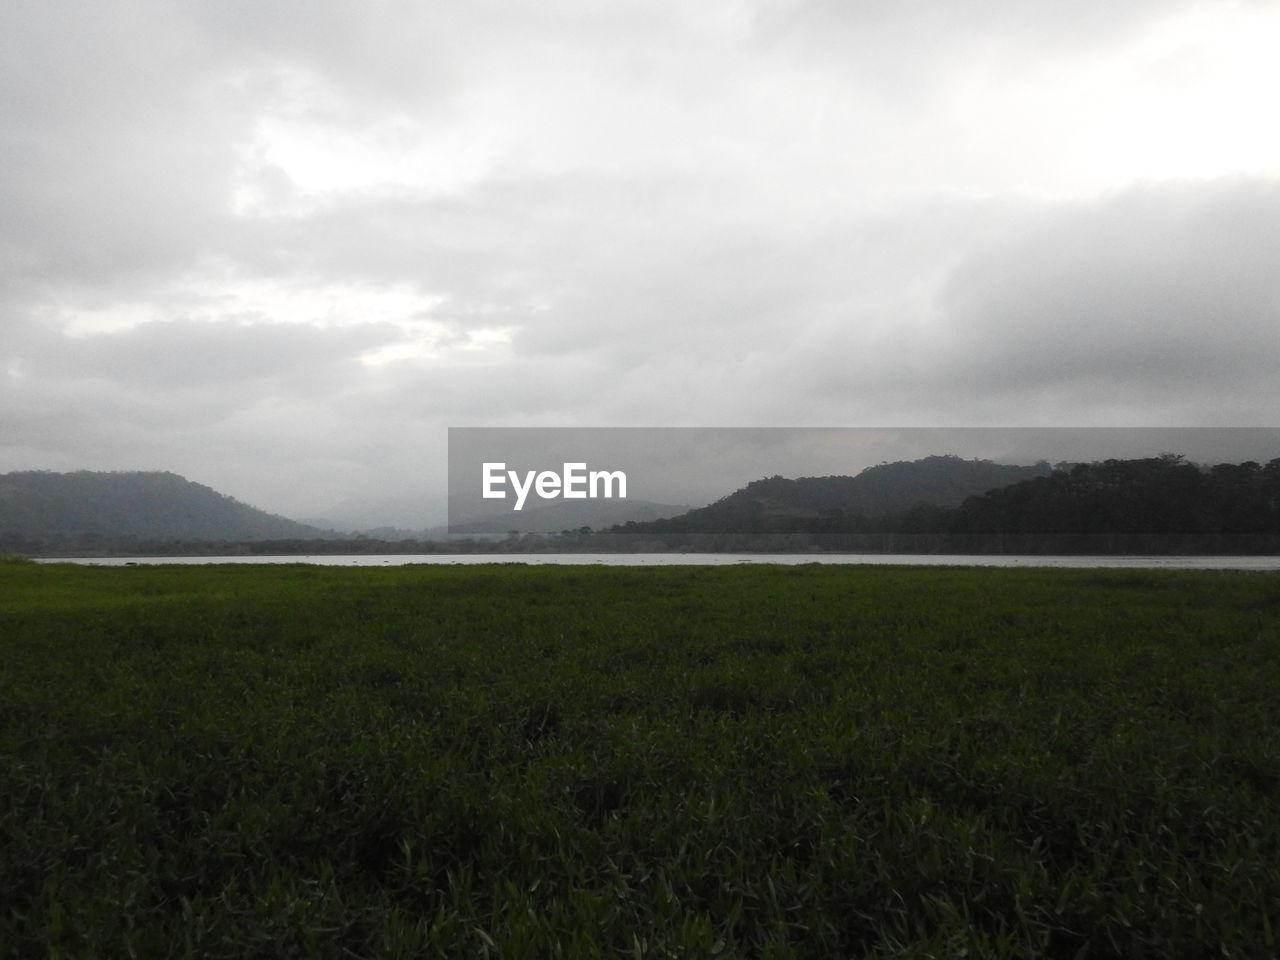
(720, 559)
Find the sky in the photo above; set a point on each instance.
(281, 247)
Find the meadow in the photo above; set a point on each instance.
(509, 761)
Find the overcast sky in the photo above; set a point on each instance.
(280, 247)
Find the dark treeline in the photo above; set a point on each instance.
(104, 545)
(101, 545)
(1159, 505)
(1158, 495)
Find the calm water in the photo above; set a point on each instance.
(720, 559)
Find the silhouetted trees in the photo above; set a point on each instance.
(1155, 504)
(1165, 495)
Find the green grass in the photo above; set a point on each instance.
(814, 761)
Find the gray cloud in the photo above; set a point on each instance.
(924, 40)
(1165, 292)
(118, 143)
(196, 355)
(282, 247)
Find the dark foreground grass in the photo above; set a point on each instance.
(555, 761)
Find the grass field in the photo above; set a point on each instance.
(815, 761)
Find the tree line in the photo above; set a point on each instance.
(1155, 504)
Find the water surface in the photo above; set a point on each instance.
(719, 560)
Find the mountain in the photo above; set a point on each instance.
(42, 505)
(815, 503)
(406, 515)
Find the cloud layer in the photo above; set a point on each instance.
(280, 248)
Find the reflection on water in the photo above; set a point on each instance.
(717, 560)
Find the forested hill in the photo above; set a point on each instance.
(44, 506)
(1164, 494)
(814, 502)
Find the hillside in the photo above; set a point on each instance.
(779, 503)
(46, 506)
(399, 515)
(1163, 494)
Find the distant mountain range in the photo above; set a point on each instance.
(403, 515)
(43, 505)
(939, 495)
(889, 488)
